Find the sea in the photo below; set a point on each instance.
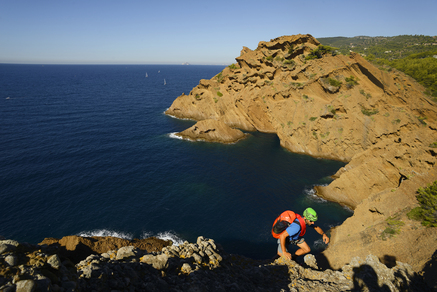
(87, 150)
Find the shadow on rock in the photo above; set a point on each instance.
(371, 276)
(366, 277)
(389, 261)
(430, 272)
(323, 262)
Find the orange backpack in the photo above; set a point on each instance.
(284, 220)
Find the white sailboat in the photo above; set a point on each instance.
(147, 75)
(165, 82)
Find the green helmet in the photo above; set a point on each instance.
(310, 214)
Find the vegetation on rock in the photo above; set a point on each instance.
(389, 48)
(414, 55)
(393, 227)
(427, 212)
(233, 66)
(320, 51)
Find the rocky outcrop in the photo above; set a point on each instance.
(336, 107)
(200, 266)
(212, 131)
(77, 248)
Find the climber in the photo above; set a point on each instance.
(295, 232)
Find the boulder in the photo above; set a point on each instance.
(26, 286)
(126, 252)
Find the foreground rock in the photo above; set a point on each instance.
(77, 248)
(200, 266)
(212, 131)
(337, 107)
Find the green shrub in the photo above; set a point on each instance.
(320, 51)
(215, 100)
(433, 145)
(312, 119)
(422, 120)
(427, 212)
(219, 94)
(351, 82)
(393, 228)
(233, 66)
(427, 198)
(369, 112)
(269, 58)
(331, 109)
(334, 82)
(416, 214)
(220, 76)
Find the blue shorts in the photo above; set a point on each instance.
(287, 243)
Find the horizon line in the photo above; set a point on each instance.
(115, 64)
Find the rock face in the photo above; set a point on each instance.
(212, 131)
(200, 266)
(336, 107)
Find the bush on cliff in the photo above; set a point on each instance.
(427, 212)
(233, 66)
(321, 50)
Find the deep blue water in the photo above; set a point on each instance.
(86, 149)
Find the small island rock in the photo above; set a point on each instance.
(212, 131)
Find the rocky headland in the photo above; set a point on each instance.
(199, 266)
(340, 107)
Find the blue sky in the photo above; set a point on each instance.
(194, 31)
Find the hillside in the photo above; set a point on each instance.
(339, 107)
(389, 48)
(414, 55)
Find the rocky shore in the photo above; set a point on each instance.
(340, 107)
(199, 266)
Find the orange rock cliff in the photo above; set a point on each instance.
(335, 107)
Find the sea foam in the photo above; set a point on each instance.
(166, 235)
(174, 136)
(311, 194)
(106, 232)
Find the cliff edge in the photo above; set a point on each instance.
(336, 107)
(199, 266)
